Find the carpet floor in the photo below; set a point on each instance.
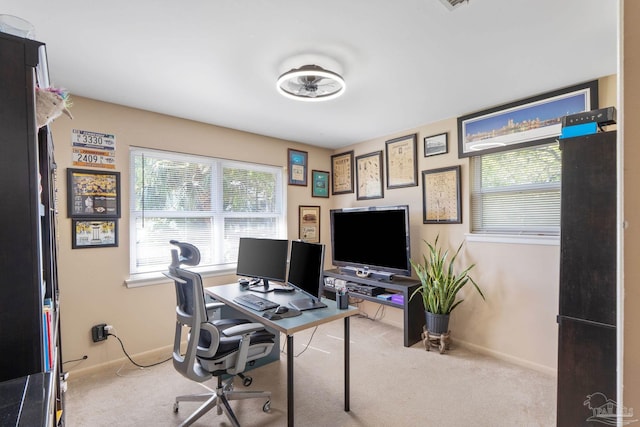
(391, 385)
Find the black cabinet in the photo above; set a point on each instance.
(413, 311)
(29, 316)
(587, 309)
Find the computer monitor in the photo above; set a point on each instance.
(263, 260)
(305, 273)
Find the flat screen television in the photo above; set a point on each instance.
(306, 264)
(373, 240)
(263, 260)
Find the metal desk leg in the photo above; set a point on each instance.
(346, 364)
(290, 422)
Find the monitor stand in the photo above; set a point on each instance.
(307, 303)
(264, 288)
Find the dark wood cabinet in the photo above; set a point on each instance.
(587, 303)
(29, 310)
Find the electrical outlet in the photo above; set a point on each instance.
(99, 333)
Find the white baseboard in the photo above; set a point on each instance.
(508, 358)
(144, 358)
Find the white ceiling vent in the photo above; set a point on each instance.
(452, 4)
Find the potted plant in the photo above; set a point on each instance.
(440, 285)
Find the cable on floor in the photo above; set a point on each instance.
(131, 360)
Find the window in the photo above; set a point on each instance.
(205, 201)
(517, 191)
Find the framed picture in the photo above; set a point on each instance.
(342, 173)
(436, 144)
(369, 176)
(297, 167)
(402, 162)
(94, 233)
(320, 184)
(530, 121)
(94, 194)
(309, 224)
(441, 196)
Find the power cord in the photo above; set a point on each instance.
(129, 357)
(305, 348)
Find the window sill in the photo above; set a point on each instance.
(157, 278)
(513, 239)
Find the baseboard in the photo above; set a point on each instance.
(508, 358)
(144, 358)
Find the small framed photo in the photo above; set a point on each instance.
(342, 173)
(297, 167)
(369, 176)
(441, 196)
(320, 184)
(436, 144)
(402, 162)
(94, 233)
(309, 224)
(93, 194)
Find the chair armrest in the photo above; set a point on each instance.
(245, 328)
(213, 305)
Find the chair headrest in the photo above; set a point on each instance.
(189, 254)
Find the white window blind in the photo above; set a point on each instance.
(205, 201)
(517, 191)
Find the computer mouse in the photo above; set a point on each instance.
(281, 309)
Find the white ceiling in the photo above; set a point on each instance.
(407, 63)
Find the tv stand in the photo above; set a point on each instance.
(413, 311)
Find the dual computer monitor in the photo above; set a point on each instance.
(266, 259)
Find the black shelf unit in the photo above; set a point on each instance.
(587, 303)
(28, 248)
(413, 310)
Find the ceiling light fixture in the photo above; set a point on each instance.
(311, 83)
(451, 4)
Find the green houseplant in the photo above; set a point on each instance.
(440, 285)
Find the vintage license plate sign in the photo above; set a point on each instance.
(95, 140)
(95, 158)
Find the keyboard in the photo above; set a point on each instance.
(255, 302)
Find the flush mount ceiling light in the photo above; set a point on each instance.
(311, 83)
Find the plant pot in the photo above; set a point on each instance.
(437, 323)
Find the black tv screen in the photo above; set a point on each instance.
(376, 238)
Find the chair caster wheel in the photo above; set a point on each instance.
(267, 406)
(175, 407)
(246, 381)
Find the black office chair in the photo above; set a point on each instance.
(218, 348)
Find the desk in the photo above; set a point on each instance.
(291, 325)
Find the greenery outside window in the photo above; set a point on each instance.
(205, 201)
(517, 191)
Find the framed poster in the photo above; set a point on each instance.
(369, 176)
(309, 224)
(342, 173)
(92, 193)
(436, 144)
(94, 233)
(531, 121)
(402, 162)
(297, 167)
(441, 196)
(320, 184)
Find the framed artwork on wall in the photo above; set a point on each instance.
(94, 233)
(369, 176)
(531, 121)
(320, 183)
(309, 223)
(93, 194)
(342, 173)
(402, 162)
(297, 167)
(441, 196)
(436, 144)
